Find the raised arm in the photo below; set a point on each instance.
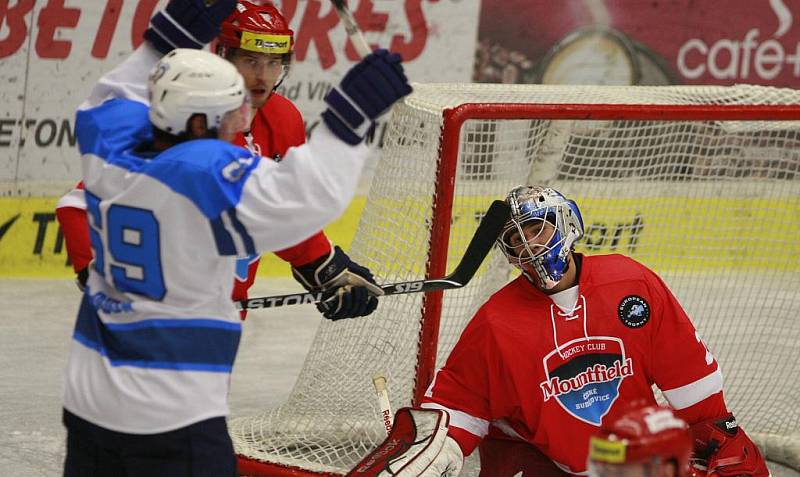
(181, 24)
(317, 180)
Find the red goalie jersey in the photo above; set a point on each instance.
(276, 127)
(530, 371)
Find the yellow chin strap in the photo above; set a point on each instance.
(266, 43)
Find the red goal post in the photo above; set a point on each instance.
(650, 166)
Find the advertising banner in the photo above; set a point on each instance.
(633, 42)
(53, 51)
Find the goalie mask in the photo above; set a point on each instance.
(539, 250)
(645, 442)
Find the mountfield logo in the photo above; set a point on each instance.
(584, 375)
(597, 374)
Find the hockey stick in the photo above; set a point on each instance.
(351, 27)
(480, 246)
(382, 393)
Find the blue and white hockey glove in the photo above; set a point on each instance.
(348, 289)
(187, 24)
(367, 91)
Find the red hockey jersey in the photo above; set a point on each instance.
(276, 127)
(550, 377)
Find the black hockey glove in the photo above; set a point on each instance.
(349, 290)
(82, 276)
(187, 24)
(367, 91)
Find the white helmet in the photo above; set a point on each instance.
(186, 82)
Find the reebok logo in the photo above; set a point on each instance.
(728, 425)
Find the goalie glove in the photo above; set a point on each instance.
(417, 446)
(348, 289)
(722, 449)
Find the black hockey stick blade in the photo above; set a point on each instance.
(479, 247)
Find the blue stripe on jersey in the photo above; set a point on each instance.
(249, 245)
(178, 344)
(243, 266)
(222, 237)
(224, 240)
(209, 172)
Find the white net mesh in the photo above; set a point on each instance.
(713, 206)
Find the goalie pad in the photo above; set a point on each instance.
(722, 449)
(418, 445)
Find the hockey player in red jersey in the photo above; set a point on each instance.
(562, 348)
(257, 40)
(646, 441)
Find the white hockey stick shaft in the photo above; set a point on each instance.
(351, 27)
(379, 381)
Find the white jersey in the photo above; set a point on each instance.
(156, 333)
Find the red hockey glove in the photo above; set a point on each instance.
(722, 449)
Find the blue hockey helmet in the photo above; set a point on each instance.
(543, 260)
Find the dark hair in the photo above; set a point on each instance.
(164, 137)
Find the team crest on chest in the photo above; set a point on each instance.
(584, 377)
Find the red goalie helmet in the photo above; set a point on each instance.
(643, 442)
(259, 28)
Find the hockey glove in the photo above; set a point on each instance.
(82, 276)
(348, 289)
(367, 91)
(722, 449)
(187, 24)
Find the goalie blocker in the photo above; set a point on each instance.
(418, 445)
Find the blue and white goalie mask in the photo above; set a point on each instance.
(541, 233)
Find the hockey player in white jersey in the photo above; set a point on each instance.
(171, 205)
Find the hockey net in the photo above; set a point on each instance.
(701, 184)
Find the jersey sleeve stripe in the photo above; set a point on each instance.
(691, 394)
(249, 245)
(471, 424)
(223, 239)
(193, 344)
